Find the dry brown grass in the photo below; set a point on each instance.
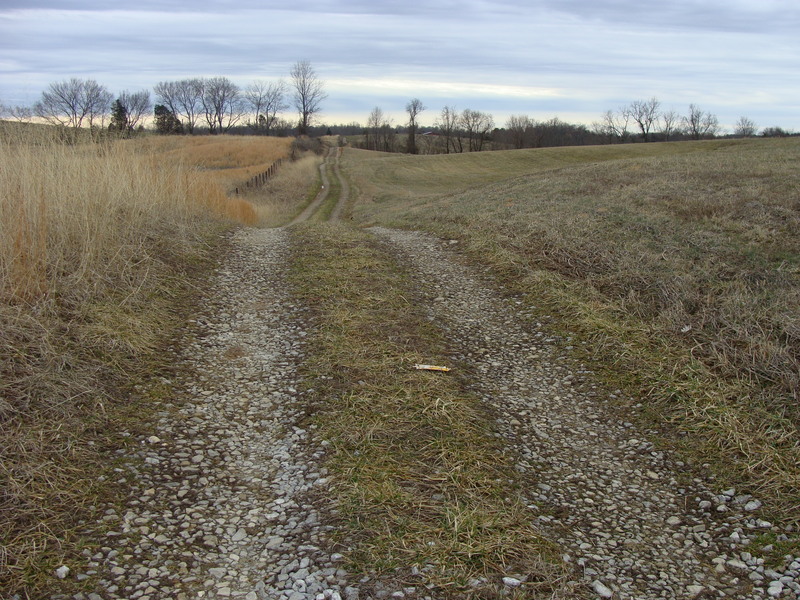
(230, 160)
(227, 162)
(680, 262)
(98, 245)
(285, 195)
(74, 214)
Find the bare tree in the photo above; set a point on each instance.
(19, 113)
(266, 100)
(136, 106)
(448, 124)
(413, 108)
(183, 98)
(308, 94)
(645, 113)
(477, 126)
(222, 104)
(379, 133)
(614, 125)
(167, 95)
(73, 103)
(190, 100)
(374, 122)
(98, 100)
(669, 123)
(519, 126)
(6, 111)
(602, 129)
(700, 124)
(745, 127)
(622, 119)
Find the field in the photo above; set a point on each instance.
(102, 250)
(678, 263)
(228, 160)
(673, 268)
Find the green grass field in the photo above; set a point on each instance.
(680, 262)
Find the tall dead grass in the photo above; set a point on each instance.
(228, 160)
(285, 195)
(74, 216)
(97, 245)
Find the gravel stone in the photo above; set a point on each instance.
(625, 514)
(220, 498)
(227, 493)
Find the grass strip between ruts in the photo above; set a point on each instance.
(327, 207)
(424, 491)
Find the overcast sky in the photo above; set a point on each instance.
(569, 58)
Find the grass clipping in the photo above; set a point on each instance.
(425, 493)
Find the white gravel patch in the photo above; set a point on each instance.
(222, 504)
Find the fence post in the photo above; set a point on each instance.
(263, 177)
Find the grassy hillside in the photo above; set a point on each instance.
(227, 160)
(678, 263)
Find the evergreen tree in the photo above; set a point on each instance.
(166, 121)
(119, 117)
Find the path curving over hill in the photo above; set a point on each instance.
(344, 189)
(316, 207)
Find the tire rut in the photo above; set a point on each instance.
(228, 494)
(630, 521)
(224, 493)
(332, 161)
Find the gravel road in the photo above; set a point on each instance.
(222, 500)
(629, 523)
(228, 491)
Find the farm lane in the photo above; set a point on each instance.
(229, 494)
(220, 500)
(332, 161)
(625, 515)
(305, 215)
(344, 188)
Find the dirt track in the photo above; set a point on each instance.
(221, 497)
(331, 161)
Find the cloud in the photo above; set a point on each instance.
(732, 56)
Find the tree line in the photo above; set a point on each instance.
(647, 120)
(454, 131)
(215, 104)
(470, 130)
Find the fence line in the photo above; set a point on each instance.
(262, 178)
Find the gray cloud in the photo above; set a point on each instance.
(585, 56)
